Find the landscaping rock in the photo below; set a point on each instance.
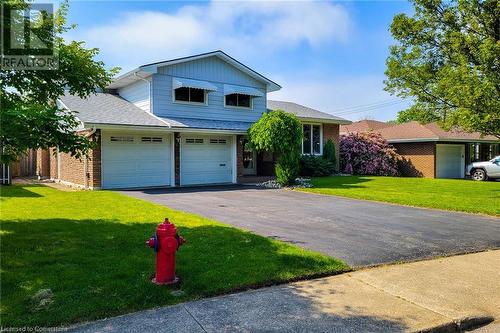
(299, 183)
(42, 299)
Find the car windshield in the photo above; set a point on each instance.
(496, 159)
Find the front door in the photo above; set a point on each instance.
(249, 159)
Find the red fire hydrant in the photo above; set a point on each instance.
(165, 242)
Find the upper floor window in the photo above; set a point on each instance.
(190, 95)
(239, 100)
(311, 142)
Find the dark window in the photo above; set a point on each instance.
(240, 100)
(316, 140)
(311, 143)
(306, 144)
(190, 95)
(197, 95)
(232, 100)
(182, 94)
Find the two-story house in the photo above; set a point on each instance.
(178, 122)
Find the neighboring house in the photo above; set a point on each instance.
(178, 122)
(429, 151)
(362, 126)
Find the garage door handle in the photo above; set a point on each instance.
(222, 164)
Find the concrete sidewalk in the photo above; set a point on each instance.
(399, 298)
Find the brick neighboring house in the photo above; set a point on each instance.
(429, 151)
(178, 122)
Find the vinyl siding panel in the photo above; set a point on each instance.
(211, 69)
(164, 106)
(138, 94)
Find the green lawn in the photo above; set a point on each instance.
(450, 194)
(89, 249)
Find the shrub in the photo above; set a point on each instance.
(329, 151)
(312, 166)
(279, 132)
(367, 154)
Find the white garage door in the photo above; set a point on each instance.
(206, 160)
(135, 160)
(450, 161)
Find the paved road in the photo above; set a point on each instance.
(356, 231)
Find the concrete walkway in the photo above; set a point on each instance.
(399, 298)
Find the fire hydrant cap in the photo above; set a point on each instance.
(166, 229)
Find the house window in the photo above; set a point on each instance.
(189, 95)
(151, 139)
(311, 144)
(239, 100)
(121, 139)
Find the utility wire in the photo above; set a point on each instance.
(370, 108)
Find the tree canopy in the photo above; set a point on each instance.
(30, 117)
(446, 60)
(281, 133)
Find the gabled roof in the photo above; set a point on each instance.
(147, 70)
(363, 126)
(413, 131)
(305, 112)
(103, 108)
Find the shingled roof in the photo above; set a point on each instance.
(363, 126)
(414, 131)
(305, 112)
(103, 108)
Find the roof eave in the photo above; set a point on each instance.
(326, 121)
(109, 126)
(436, 139)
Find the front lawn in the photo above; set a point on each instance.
(89, 249)
(450, 194)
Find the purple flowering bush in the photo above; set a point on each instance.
(367, 154)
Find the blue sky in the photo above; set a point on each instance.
(326, 55)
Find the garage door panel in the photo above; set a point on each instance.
(450, 161)
(135, 163)
(206, 160)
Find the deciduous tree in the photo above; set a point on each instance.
(446, 59)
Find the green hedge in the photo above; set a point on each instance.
(312, 166)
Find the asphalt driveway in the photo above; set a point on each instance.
(356, 231)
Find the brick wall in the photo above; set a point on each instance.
(72, 170)
(331, 132)
(52, 163)
(239, 155)
(177, 156)
(419, 159)
(43, 163)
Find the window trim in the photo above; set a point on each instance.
(239, 107)
(205, 94)
(312, 143)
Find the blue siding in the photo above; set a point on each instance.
(215, 71)
(211, 69)
(137, 93)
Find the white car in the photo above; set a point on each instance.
(484, 170)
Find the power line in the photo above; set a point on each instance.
(370, 108)
(367, 105)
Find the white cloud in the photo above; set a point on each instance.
(243, 29)
(353, 97)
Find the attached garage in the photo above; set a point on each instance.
(206, 159)
(136, 160)
(450, 161)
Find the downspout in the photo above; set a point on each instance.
(150, 95)
(150, 83)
